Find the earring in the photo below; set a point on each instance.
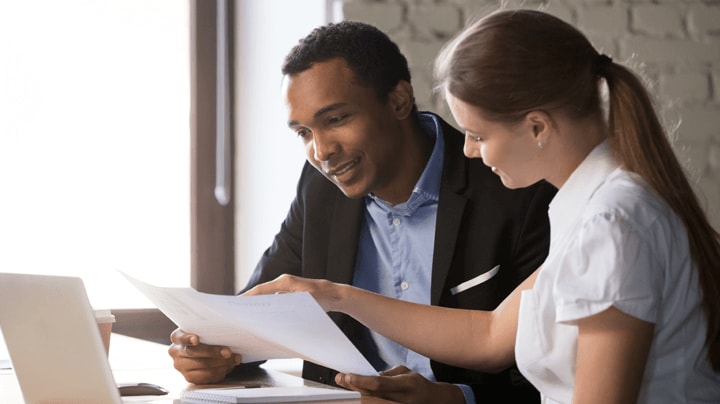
(541, 145)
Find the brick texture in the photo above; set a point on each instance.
(674, 45)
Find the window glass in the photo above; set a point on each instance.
(269, 156)
(94, 142)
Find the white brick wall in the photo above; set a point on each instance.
(674, 44)
(659, 21)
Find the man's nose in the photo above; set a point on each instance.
(324, 146)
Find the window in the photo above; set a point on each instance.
(269, 156)
(107, 143)
(95, 142)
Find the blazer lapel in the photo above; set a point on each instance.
(450, 210)
(347, 216)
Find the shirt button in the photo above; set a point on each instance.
(404, 286)
(396, 221)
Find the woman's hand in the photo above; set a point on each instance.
(328, 294)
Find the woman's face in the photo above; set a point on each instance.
(510, 149)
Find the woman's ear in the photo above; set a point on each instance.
(541, 124)
(402, 99)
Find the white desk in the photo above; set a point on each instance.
(133, 360)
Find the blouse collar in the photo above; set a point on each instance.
(579, 188)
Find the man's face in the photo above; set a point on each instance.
(350, 135)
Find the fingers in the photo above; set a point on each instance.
(202, 351)
(203, 364)
(188, 345)
(200, 363)
(366, 385)
(346, 381)
(396, 371)
(400, 384)
(181, 337)
(281, 284)
(200, 372)
(325, 292)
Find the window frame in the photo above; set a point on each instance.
(212, 227)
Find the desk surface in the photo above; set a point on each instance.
(133, 360)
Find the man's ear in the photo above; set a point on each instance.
(402, 99)
(541, 124)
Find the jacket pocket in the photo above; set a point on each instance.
(482, 278)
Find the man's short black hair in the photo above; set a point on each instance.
(374, 59)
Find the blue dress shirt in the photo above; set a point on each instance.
(396, 252)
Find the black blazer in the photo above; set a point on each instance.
(480, 224)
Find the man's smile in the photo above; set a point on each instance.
(343, 168)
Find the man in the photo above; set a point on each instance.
(387, 202)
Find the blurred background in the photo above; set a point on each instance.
(148, 135)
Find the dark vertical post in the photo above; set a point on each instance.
(212, 223)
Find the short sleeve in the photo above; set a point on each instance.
(610, 263)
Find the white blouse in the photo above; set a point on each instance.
(614, 242)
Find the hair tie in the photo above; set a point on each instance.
(599, 62)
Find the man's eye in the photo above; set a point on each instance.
(302, 132)
(336, 119)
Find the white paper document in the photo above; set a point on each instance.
(291, 325)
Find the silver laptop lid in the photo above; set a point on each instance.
(53, 340)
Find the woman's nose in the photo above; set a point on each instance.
(471, 148)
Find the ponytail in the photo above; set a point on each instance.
(640, 143)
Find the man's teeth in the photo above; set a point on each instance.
(346, 168)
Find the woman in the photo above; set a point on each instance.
(626, 308)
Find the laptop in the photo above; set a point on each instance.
(53, 340)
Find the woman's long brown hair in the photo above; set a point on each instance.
(516, 61)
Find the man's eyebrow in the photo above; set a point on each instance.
(320, 112)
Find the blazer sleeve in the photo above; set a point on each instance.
(292, 251)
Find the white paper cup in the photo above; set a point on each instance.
(105, 320)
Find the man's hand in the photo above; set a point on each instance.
(200, 363)
(401, 385)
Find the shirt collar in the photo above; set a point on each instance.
(572, 197)
(428, 186)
